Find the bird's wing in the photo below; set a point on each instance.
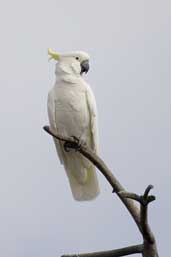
(93, 119)
(51, 115)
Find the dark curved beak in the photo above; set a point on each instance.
(84, 66)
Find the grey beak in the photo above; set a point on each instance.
(84, 66)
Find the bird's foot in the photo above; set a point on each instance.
(79, 143)
(76, 144)
(67, 146)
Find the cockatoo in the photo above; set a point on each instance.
(72, 112)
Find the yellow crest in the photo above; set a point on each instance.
(53, 55)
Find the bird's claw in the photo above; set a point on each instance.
(76, 144)
(67, 146)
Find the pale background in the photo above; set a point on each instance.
(130, 46)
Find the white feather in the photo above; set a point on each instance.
(72, 112)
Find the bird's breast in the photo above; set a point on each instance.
(71, 110)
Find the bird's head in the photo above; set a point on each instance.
(72, 63)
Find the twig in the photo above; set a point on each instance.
(147, 233)
(144, 200)
(113, 253)
(61, 138)
(150, 248)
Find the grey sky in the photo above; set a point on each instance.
(130, 47)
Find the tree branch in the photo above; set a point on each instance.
(144, 200)
(149, 248)
(113, 253)
(89, 154)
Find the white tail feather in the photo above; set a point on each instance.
(83, 181)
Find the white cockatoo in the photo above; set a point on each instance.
(72, 113)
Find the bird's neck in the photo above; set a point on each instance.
(64, 73)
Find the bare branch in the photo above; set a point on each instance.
(147, 191)
(113, 253)
(129, 195)
(146, 199)
(61, 138)
(117, 187)
(148, 249)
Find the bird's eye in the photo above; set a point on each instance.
(77, 58)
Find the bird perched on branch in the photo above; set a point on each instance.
(72, 113)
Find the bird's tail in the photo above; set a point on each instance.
(83, 180)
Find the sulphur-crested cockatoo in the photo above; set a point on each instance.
(72, 112)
